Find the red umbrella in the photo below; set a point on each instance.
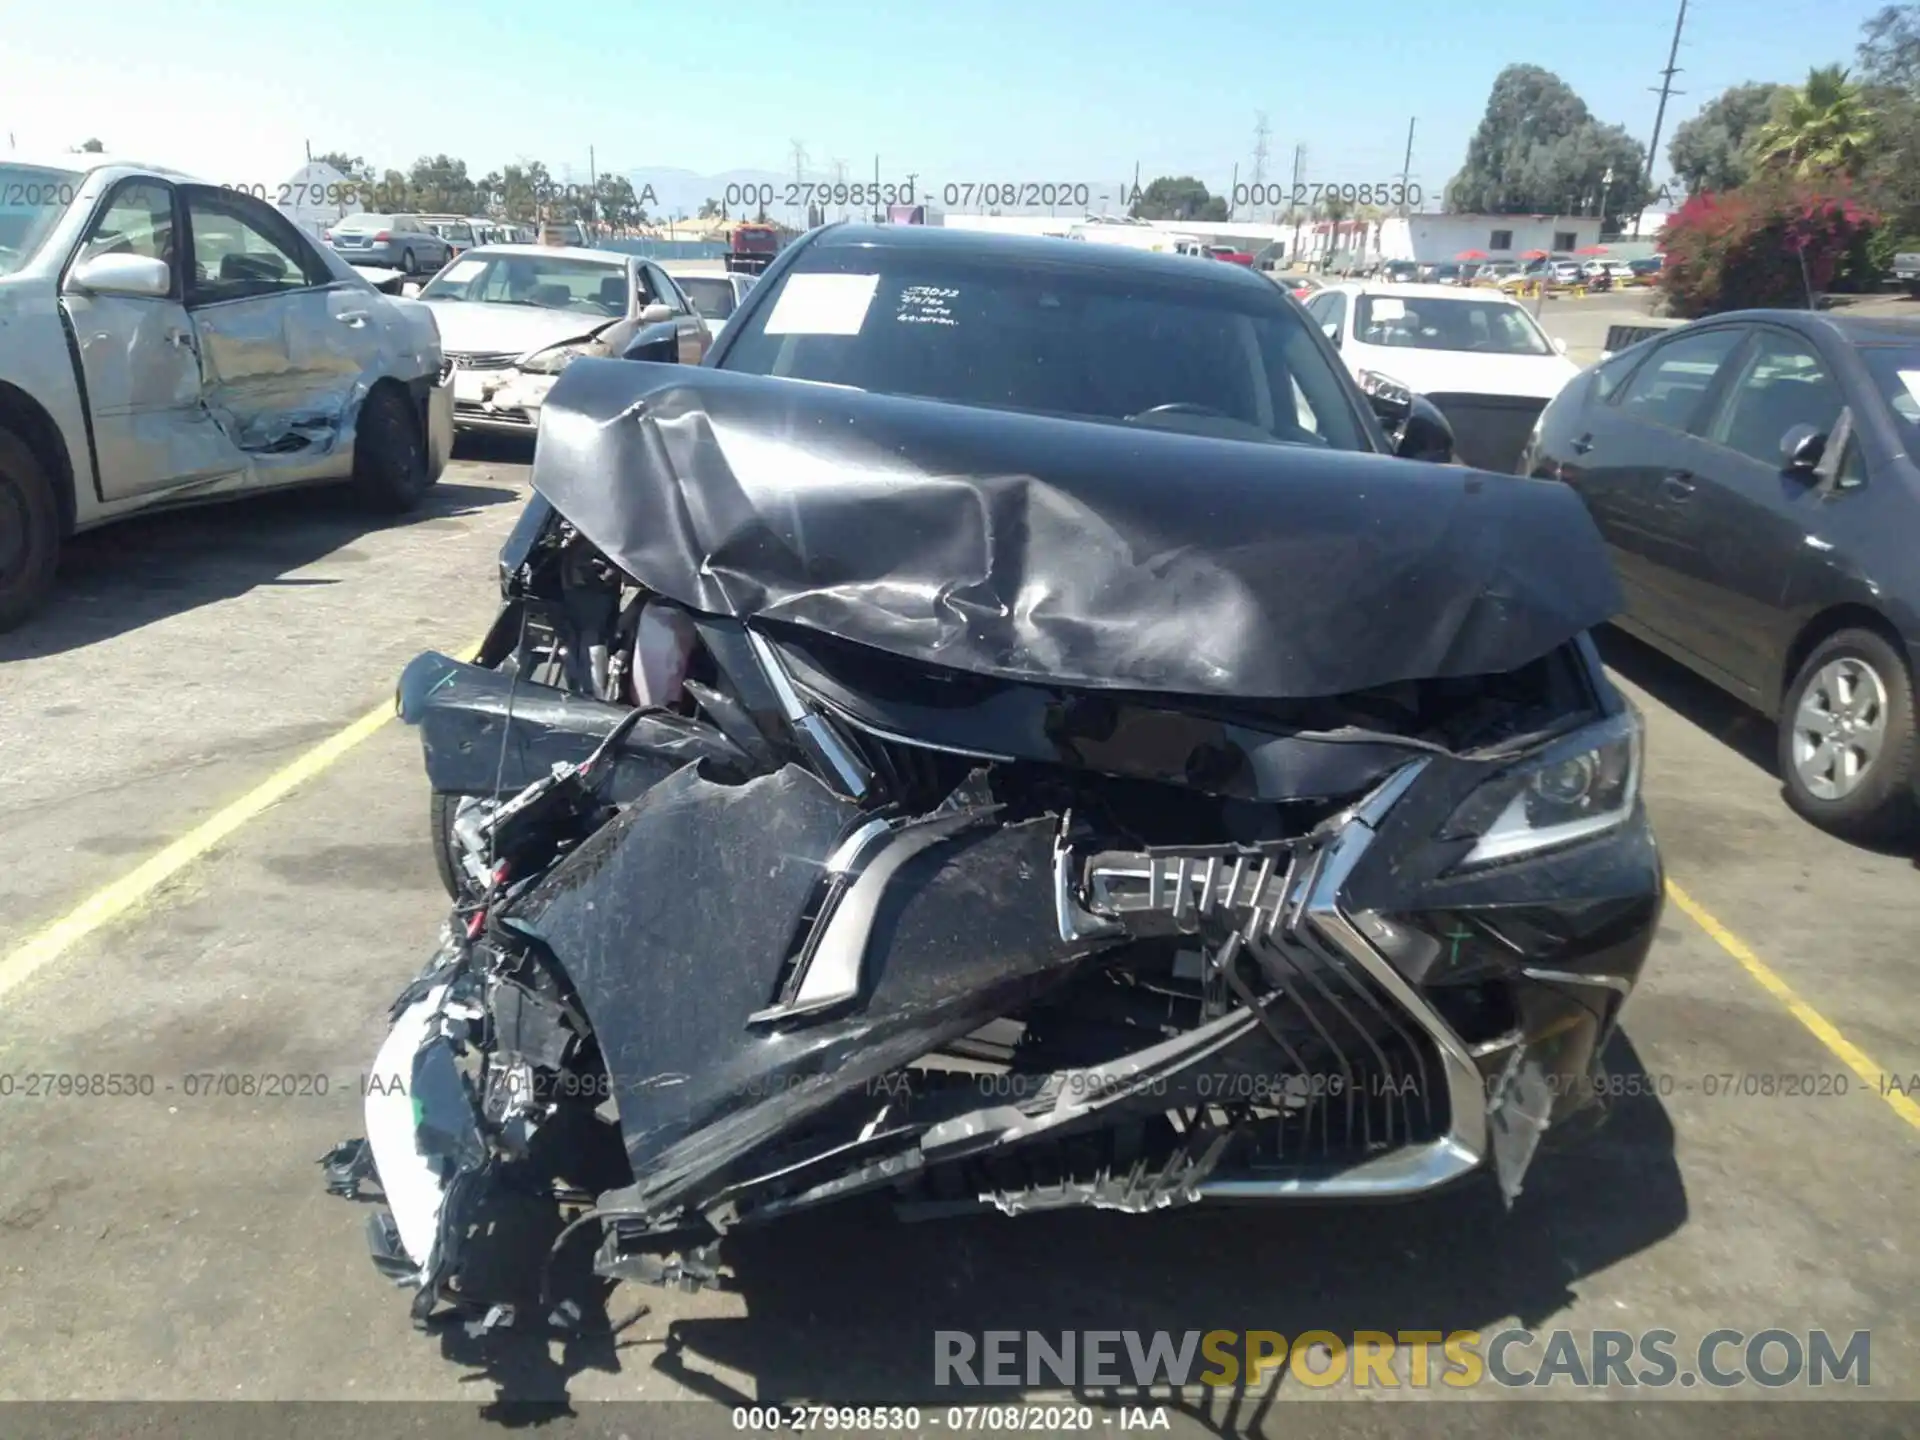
(1592, 250)
(1473, 255)
(1534, 255)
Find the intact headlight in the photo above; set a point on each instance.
(553, 359)
(1581, 785)
(1385, 387)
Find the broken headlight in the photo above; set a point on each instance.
(553, 359)
(1578, 786)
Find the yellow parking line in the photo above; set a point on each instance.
(1856, 1059)
(112, 901)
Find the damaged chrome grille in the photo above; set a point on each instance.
(482, 359)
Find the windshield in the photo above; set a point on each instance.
(1896, 376)
(1064, 340)
(712, 295)
(32, 200)
(1486, 327)
(591, 287)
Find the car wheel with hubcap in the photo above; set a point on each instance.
(389, 460)
(29, 531)
(1847, 737)
(407, 263)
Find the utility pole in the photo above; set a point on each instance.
(840, 178)
(1406, 169)
(593, 190)
(1233, 189)
(309, 145)
(1260, 133)
(799, 168)
(1660, 115)
(1298, 152)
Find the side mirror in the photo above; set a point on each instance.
(411, 290)
(1560, 344)
(138, 277)
(1801, 449)
(656, 314)
(1426, 434)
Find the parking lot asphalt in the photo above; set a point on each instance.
(179, 1245)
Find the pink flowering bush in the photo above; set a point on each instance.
(1743, 249)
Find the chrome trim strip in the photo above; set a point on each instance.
(1075, 920)
(833, 971)
(1414, 1168)
(907, 740)
(1618, 984)
(816, 735)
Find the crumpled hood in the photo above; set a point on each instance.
(469, 326)
(1086, 554)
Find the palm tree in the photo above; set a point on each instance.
(1823, 127)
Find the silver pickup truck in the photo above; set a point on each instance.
(1906, 270)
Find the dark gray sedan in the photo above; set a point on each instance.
(1754, 477)
(393, 242)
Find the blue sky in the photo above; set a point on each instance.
(955, 90)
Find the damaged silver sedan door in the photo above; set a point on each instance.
(124, 299)
(282, 348)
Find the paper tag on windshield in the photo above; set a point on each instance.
(1911, 379)
(463, 270)
(822, 305)
(1389, 310)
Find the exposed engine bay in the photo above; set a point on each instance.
(759, 906)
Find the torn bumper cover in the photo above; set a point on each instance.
(924, 890)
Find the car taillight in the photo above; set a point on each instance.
(383, 235)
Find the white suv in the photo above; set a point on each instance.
(170, 341)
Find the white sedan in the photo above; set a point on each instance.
(715, 294)
(513, 316)
(1478, 355)
(169, 341)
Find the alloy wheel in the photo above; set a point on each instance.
(1839, 727)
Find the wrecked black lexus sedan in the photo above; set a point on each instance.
(1002, 807)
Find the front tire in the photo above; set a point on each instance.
(408, 264)
(389, 458)
(1847, 737)
(30, 531)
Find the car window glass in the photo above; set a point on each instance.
(234, 255)
(1668, 389)
(1784, 383)
(1609, 373)
(1335, 313)
(1087, 346)
(137, 221)
(665, 289)
(590, 287)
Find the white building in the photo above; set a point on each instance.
(1251, 238)
(1431, 239)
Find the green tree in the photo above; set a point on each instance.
(393, 192)
(92, 147)
(441, 183)
(1713, 150)
(616, 202)
(352, 166)
(1539, 150)
(1823, 128)
(712, 209)
(1178, 197)
(1889, 71)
